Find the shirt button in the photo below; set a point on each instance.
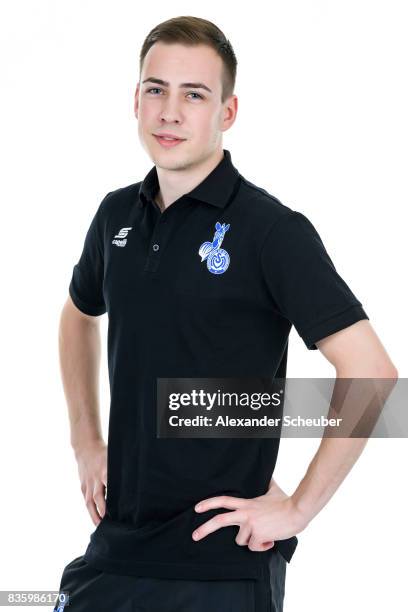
(156, 247)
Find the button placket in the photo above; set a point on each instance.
(167, 223)
(157, 241)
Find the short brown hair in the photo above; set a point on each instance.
(193, 31)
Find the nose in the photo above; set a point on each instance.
(170, 112)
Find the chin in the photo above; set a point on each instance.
(172, 160)
(167, 164)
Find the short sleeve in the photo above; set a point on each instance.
(303, 283)
(86, 286)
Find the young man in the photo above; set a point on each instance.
(202, 274)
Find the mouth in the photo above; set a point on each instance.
(168, 141)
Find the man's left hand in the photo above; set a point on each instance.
(261, 520)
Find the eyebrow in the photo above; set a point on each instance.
(182, 85)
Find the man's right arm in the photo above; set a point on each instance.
(80, 352)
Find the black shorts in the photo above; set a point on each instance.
(92, 590)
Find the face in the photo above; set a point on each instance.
(179, 93)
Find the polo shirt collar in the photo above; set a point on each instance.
(215, 189)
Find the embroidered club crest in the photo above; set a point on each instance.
(217, 259)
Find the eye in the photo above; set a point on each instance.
(193, 93)
(153, 89)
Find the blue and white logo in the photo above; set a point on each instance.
(217, 259)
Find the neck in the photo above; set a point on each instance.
(175, 183)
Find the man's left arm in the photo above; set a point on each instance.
(355, 352)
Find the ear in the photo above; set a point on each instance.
(227, 228)
(217, 226)
(136, 101)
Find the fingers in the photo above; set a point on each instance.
(243, 536)
(222, 501)
(95, 500)
(99, 498)
(220, 520)
(255, 545)
(90, 504)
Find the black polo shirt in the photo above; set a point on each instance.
(209, 288)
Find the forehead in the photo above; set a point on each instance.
(178, 63)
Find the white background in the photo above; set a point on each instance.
(322, 125)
